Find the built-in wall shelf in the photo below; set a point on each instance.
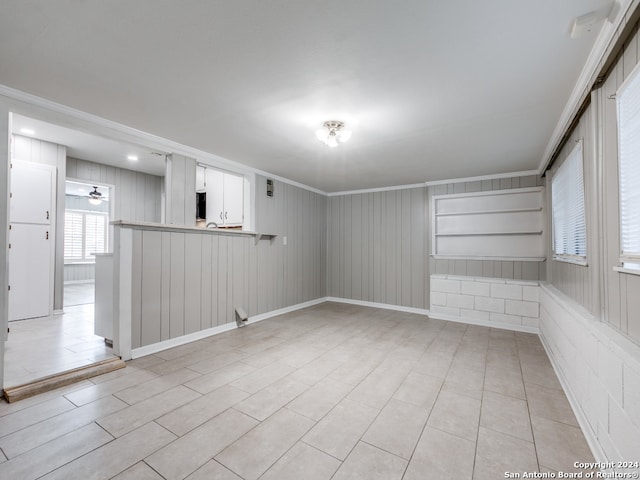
(504, 259)
(495, 225)
(476, 234)
(476, 212)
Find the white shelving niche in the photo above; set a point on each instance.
(495, 225)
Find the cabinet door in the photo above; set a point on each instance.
(31, 193)
(215, 195)
(233, 199)
(30, 271)
(200, 180)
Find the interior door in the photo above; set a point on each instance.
(31, 239)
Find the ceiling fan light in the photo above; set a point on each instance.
(333, 131)
(95, 197)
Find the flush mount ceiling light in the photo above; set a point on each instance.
(332, 133)
(95, 197)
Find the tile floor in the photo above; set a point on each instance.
(330, 392)
(39, 347)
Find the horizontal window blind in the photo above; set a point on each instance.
(567, 196)
(95, 232)
(628, 99)
(85, 233)
(73, 235)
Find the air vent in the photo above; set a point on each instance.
(269, 187)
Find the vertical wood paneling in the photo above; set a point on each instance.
(206, 289)
(376, 247)
(165, 310)
(223, 282)
(177, 286)
(203, 277)
(151, 287)
(137, 195)
(192, 282)
(215, 284)
(136, 290)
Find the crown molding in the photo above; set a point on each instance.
(584, 84)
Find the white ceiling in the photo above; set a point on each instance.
(92, 147)
(431, 89)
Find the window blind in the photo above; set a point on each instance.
(85, 233)
(95, 231)
(628, 99)
(567, 197)
(73, 235)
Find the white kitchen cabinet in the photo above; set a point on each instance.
(200, 180)
(225, 197)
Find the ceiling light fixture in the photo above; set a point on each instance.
(27, 131)
(133, 158)
(332, 133)
(95, 197)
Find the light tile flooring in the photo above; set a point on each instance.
(39, 347)
(333, 391)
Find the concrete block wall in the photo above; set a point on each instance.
(600, 372)
(488, 301)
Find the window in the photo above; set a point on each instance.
(628, 99)
(85, 233)
(567, 199)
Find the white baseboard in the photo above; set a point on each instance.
(282, 311)
(485, 323)
(199, 335)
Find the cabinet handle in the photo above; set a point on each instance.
(47, 214)
(225, 215)
(220, 215)
(47, 236)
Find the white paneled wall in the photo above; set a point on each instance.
(496, 302)
(377, 247)
(137, 195)
(79, 272)
(600, 372)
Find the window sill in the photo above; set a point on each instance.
(628, 270)
(573, 260)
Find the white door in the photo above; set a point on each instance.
(233, 199)
(215, 196)
(31, 239)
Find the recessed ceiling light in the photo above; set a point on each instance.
(27, 131)
(133, 158)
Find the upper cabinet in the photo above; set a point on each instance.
(200, 182)
(225, 194)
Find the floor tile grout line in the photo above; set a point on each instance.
(533, 436)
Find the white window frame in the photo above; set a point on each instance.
(574, 158)
(88, 258)
(628, 171)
